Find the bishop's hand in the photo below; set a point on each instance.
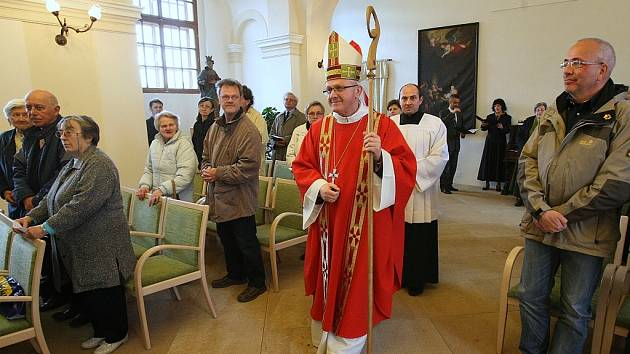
(372, 143)
(329, 192)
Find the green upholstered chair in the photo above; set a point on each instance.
(179, 258)
(6, 234)
(508, 294)
(617, 312)
(128, 195)
(25, 265)
(145, 223)
(281, 170)
(198, 187)
(286, 228)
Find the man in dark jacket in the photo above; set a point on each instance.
(454, 121)
(156, 106)
(35, 168)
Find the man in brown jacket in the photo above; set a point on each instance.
(230, 163)
(574, 176)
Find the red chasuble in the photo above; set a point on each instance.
(343, 309)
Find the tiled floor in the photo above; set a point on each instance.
(477, 230)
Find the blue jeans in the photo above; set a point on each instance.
(580, 275)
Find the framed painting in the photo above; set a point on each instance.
(447, 64)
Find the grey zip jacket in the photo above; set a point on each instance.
(584, 174)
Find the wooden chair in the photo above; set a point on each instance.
(508, 292)
(286, 228)
(179, 259)
(145, 223)
(6, 235)
(25, 265)
(282, 170)
(617, 312)
(198, 187)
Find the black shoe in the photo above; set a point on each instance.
(251, 293)
(446, 191)
(519, 202)
(453, 189)
(79, 320)
(52, 303)
(225, 282)
(415, 291)
(65, 315)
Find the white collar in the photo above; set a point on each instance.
(355, 117)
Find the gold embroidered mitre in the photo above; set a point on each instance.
(342, 59)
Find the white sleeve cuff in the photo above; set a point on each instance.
(384, 193)
(310, 208)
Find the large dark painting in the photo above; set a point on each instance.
(447, 63)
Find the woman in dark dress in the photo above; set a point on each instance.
(207, 112)
(492, 167)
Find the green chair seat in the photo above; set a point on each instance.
(12, 326)
(212, 226)
(282, 234)
(138, 250)
(159, 268)
(623, 317)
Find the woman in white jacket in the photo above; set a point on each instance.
(314, 112)
(171, 162)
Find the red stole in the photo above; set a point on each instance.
(343, 309)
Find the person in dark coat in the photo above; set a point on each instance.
(207, 113)
(83, 216)
(35, 168)
(453, 119)
(492, 167)
(156, 106)
(524, 131)
(10, 142)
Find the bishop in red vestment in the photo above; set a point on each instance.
(331, 172)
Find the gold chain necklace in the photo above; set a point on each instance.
(335, 174)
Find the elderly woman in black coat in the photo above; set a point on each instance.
(83, 215)
(492, 167)
(10, 142)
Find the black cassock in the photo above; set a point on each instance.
(492, 167)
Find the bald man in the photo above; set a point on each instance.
(573, 193)
(35, 169)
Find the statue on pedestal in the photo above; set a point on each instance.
(207, 79)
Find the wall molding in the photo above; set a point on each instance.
(118, 16)
(503, 5)
(280, 46)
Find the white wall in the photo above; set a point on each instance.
(520, 49)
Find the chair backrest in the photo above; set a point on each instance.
(264, 198)
(281, 170)
(127, 198)
(198, 187)
(6, 234)
(184, 224)
(286, 198)
(146, 218)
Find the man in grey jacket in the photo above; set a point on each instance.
(284, 125)
(230, 163)
(574, 175)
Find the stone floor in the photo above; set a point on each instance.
(477, 230)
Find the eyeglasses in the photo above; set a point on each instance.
(577, 63)
(230, 98)
(19, 114)
(65, 133)
(313, 114)
(337, 89)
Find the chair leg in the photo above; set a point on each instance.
(175, 293)
(39, 342)
(274, 268)
(206, 294)
(503, 306)
(142, 316)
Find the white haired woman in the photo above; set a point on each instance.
(10, 142)
(83, 216)
(171, 162)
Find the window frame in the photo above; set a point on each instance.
(161, 22)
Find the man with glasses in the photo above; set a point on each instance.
(283, 126)
(331, 172)
(314, 112)
(230, 163)
(35, 168)
(574, 176)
